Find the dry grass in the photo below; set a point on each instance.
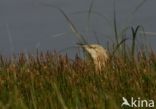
(52, 81)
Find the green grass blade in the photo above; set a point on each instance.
(89, 14)
(59, 96)
(98, 14)
(118, 45)
(134, 35)
(115, 23)
(131, 14)
(138, 6)
(72, 26)
(89, 19)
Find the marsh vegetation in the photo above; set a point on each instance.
(50, 80)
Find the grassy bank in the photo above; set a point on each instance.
(52, 81)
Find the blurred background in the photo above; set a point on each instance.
(27, 25)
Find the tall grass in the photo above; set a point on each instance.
(119, 33)
(134, 36)
(52, 81)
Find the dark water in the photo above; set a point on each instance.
(27, 24)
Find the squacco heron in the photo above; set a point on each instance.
(98, 54)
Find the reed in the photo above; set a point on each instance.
(50, 80)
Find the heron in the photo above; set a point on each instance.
(98, 55)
